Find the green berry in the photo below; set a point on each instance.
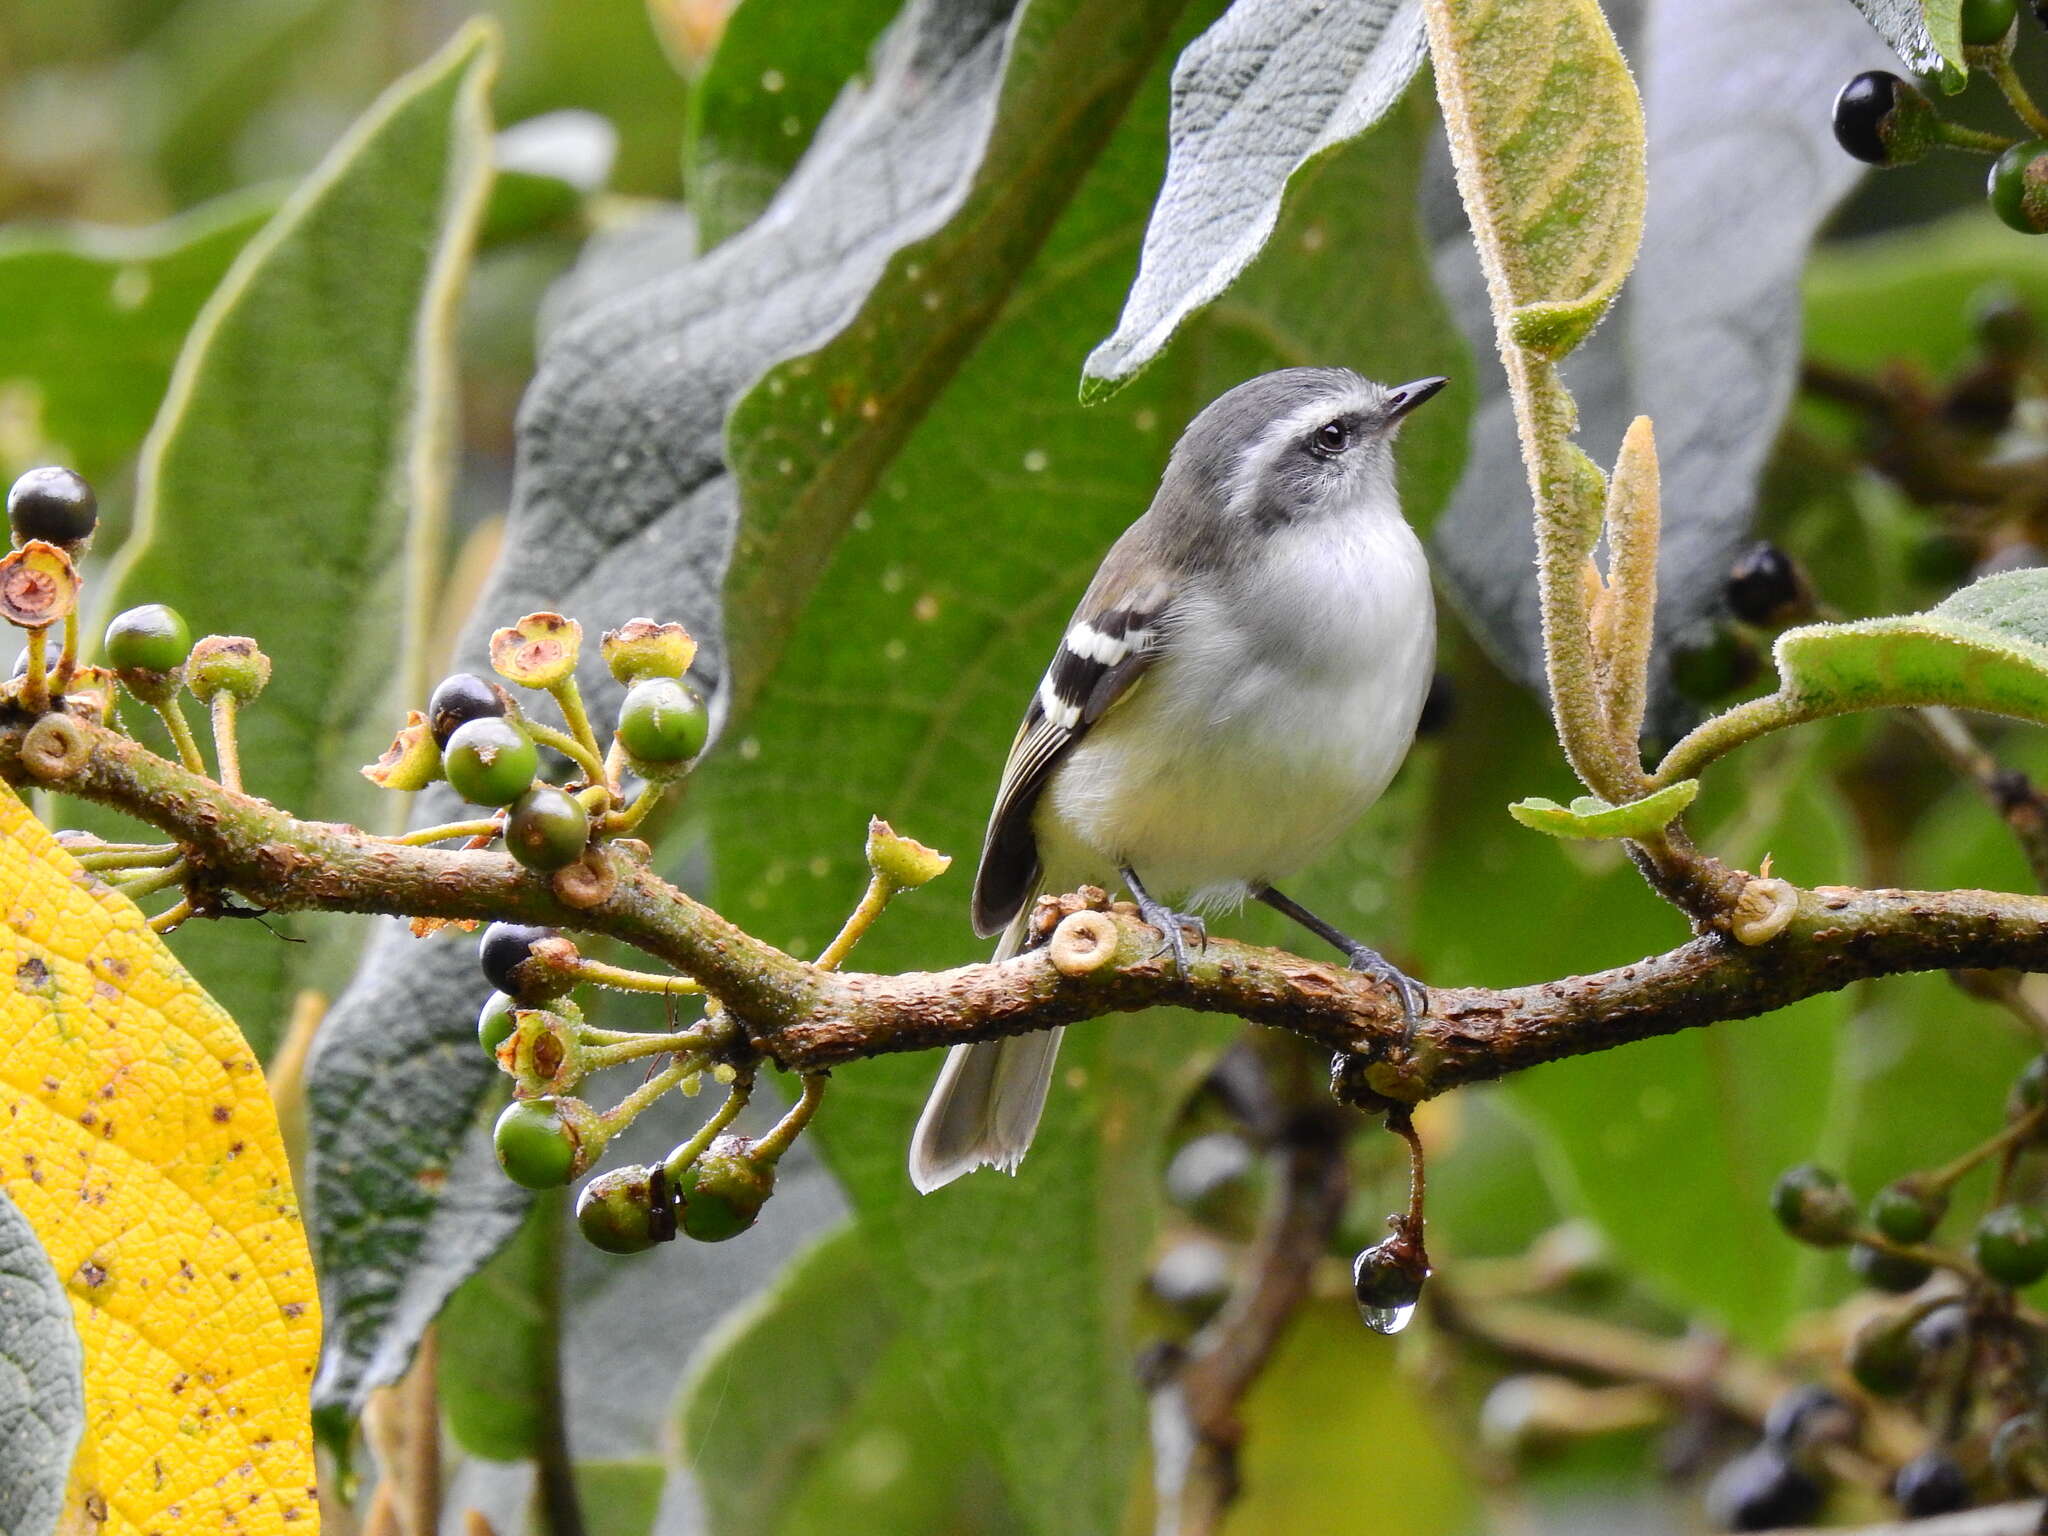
(536, 1147)
(627, 1210)
(547, 828)
(490, 762)
(494, 1023)
(2011, 1245)
(2027, 1089)
(1814, 1205)
(52, 504)
(723, 1191)
(151, 638)
(1883, 1358)
(2018, 187)
(661, 721)
(1907, 1212)
(459, 699)
(1987, 23)
(1891, 1272)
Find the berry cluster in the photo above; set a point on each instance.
(1885, 121)
(1963, 1347)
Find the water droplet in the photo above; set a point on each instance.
(1388, 1320)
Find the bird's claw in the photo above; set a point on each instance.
(1174, 928)
(1413, 994)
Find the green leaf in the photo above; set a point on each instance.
(620, 1498)
(1260, 94)
(42, 1388)
(766, 90)
(95, 317)
(1546, 132)
(1927, 35)
(293, 485)
(1705, 337)
(875, 280)
(1591, 817)
(1985, 648)
(499, 1333)
(898, 690)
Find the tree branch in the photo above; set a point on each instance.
(807, 1020)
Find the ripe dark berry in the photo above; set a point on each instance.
(1932, 1483)
(1761, 1490)
(723, 1191)
(1885, 1358)
(627, 1210)
(1907, 1212)
(661, 721)
(1814, 1205)
(490, 762)
(1882, 120)
(547, 828)
(1808, 1415)
(536, 1147)
(151, 638)
(2011, 1245)
(2018, 187)
(52, 504)
(1987, 22)
(1883, 1271)
(494, 1022)
(1765, 587)
(459, 699)
(503, 949)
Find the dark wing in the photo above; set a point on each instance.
(1113, 637)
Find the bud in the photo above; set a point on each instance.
(412, 761)
(230, 664)
(39, 586)
(539, 651)
(642, 648)
(903, 861)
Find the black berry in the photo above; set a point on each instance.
(52, 504)
(1932, 1483)
(504, 948)
(1765, 587)
(1761, 1490)
(1883, 1271)
(459, 699)
(1808, 1415)
(1882, 120)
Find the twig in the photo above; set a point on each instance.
(554, 1462)
(1195, 1422)
(2011, 793)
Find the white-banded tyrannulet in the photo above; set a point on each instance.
(1239, 683)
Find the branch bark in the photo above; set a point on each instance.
(809, 1020)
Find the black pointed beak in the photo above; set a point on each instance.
(1403, 398)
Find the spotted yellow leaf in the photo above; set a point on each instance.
(142, 1147)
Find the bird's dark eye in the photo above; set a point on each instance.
(1332, 437)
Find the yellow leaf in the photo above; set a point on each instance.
(142, 1147)
(1546, 133)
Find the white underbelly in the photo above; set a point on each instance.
(1224, 772)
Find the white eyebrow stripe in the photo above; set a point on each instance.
(1280, 433)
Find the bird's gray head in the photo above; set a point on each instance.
(1291, 446)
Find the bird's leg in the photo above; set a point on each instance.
(1414, 996)
(1172, 925)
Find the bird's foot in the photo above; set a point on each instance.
(1174, 927)
(1413, 994)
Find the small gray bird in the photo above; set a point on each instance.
(1239, 683)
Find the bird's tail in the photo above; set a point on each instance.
(985, 1106)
